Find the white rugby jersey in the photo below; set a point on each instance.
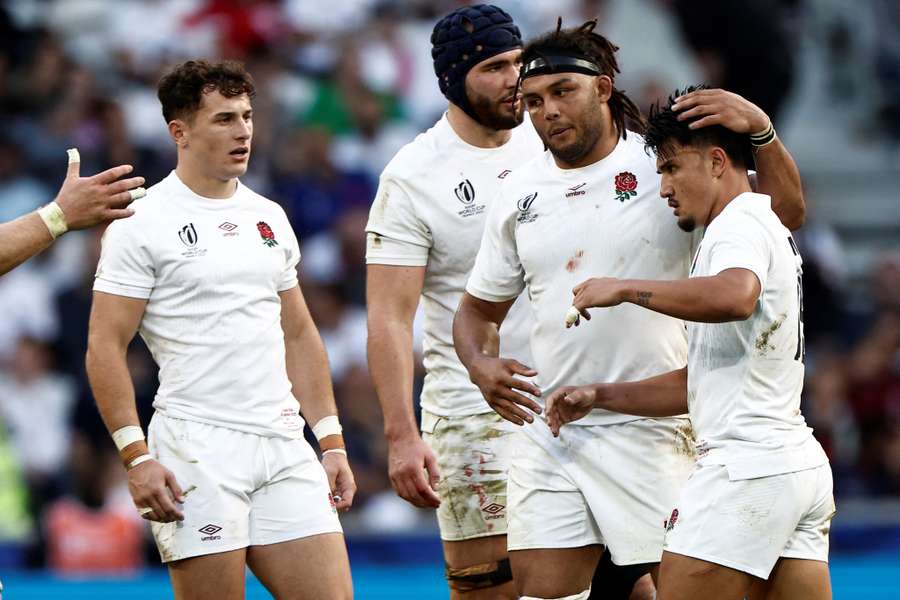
(554, 228)
(210, 270)
(430, 211)
(745, 377)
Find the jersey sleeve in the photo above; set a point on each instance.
(126, 266)
(292, 259)
(397, 235)
(742, 244)
(498, 275)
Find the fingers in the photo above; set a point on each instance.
(172, 484)
(518, 384)
(345, 489)
(510, 412)
(74, 167)
(415, 489)
(123, 185)
(699, 111)
(715, 119)
(110, 175)
(525, 386)
(121, 213)
(695, 98)
(434, 472)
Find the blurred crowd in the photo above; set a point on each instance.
(341, 86)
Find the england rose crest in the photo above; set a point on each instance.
(267, 234)
(626, 186)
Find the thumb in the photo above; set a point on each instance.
(172, 483)
(74, 163)
(521, 369)
(434, 473)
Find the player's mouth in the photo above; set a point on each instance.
(674, 204)
(240, 153)
(558, 131)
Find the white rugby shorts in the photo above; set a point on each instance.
(473, 454)
(613, 485)
(246, 489)
(748, 524)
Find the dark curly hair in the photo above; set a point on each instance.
(664, 129)
(582, 41)
(181, 90)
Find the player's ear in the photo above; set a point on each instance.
(178, 132)
(604, 87)
(718, 161)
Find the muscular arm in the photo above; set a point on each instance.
(392, 295)
(661, 396)
(776, 172)
(307, 362)
(476, 336)
(729, 296)
(476, 329)
(308, 372)
(21, 239)
(113, 323)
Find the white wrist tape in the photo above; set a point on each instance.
(327, 426)
(335, 451)
(127, 435)
(54, 218)
(140, 459)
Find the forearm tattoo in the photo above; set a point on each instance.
(643, 298)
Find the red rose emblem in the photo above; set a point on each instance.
(266, 233)
(626, 186)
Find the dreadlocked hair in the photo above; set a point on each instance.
(664, 130)
(584, 41)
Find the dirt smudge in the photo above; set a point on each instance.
(575, 261)
(762, 341)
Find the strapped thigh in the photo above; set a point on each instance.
(476, 577)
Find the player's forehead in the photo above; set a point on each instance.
(214, 102)
(541, 84)
(504, 58)
(672, 152)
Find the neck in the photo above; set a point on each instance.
(603, 148)
(474, 133)
(202, 184)
(734, 183)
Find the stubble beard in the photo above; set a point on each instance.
(490, 113)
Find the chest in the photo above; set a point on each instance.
(221, 250)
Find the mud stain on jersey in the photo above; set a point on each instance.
(762, 341)
(685, 440)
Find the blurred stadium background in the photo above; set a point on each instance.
(342, 84)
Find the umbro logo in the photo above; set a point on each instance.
(503, 174)
(229, 229)
(209, 532)
(493, 508)
(576, 190)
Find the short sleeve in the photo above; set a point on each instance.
(741, 244)
(393, 217)
(498, 275)
(292, 257)
(381, 250)
(126, 266)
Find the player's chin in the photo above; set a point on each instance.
(687, 223)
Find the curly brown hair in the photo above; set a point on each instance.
(584, 41)
(181, 90)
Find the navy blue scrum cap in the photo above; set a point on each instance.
(464, 38)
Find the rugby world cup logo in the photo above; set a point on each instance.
(525, 203)
(465, 192)
(188, 235)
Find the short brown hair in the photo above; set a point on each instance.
(181, 90)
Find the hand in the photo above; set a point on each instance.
(154, 486)
(87, 201)
(340, 479)
(494, 377)
(569, 404)
(596, 292)
(409, 461)
(718, 107)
